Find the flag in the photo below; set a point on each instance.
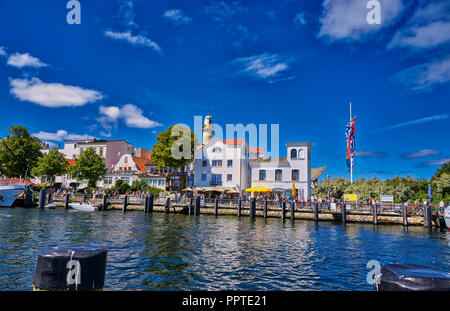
(350, 135)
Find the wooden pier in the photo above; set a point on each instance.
(377, 215)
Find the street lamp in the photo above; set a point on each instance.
(328, 177)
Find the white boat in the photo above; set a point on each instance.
(84, 207)
(9, 194)
(447, 217)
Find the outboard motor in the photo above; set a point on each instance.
(394, 277)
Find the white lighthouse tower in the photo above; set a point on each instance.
(208, 129)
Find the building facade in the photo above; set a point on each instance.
(279, 174)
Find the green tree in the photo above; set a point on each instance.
(89, 166)
(19, 152)
(338, 187)
(174, 148)
(441, 187)
(139, 185)
(445, 168)
(51, 164)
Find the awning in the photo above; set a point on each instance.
(232, 191)
(187, 189)
(258, 189)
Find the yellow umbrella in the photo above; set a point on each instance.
(232, 191)
(258, 189)
(293, 189)
(187, 189)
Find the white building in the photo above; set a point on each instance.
(221, 163)
(280, 173)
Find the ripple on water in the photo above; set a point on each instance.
(180, 252)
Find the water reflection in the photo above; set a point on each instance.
(182, 252)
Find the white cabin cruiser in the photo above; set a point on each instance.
(447, 217)
(9, 194)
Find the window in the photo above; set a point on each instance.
(295, 175)
(230, 163)
(278, 175)
(205, 163)
(217, 149)
(216, 179)
(262, 174)
(203, 177)
(293, 154)
(229, 177)
(217, 163)
(101, 152)
(301, 153)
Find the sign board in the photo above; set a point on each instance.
(386, 198)
(350, 197)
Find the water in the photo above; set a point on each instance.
(181, 252)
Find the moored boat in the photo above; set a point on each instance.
(447, 217)
(9, 194)
(84, 207)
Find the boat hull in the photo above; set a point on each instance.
(447, 217)
(9, 194)
(84, 207)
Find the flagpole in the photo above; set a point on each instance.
(351, 156)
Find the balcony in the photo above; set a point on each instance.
(215, 183)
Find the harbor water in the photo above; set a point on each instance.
(182, 252)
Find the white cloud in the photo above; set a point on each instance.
(300, 19)
(126, 14)
(60, 135)
(25, 60)
(420, 154)
(423, 77)
(52, 94)
(177, 17)
(3, 51)
(270, 67)
(428, 27)
(134, 40)
(415, 122)
(131, 114)
(347, 19)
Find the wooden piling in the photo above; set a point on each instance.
(405, 215)
(283, 210)
(151, 200)
(125, 203)
(28, 199)
(375, 214)
(344, 213)
(252, 208)
(265, 208)
(239, 207)
(167, 205)
(67, 200)
(42, 198)
(292, 207)
(427, 216)
(316, 212)
(197, 206)
(191, 206)
(146, 203)
(216, 207)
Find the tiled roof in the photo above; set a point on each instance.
(280, 159)
(316, 172)
(257, 149)
(71, 162)
(234, 141)
(140, 163)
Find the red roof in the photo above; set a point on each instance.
(234, 141)
(140, 163)
(71, 162)
(16, 181)
(256, 150)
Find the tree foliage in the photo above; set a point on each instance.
(19, 152)
(89, 166)
(51, 164)
(403, 189)
(174, 148)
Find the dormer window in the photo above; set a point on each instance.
(217, 149)
(294, 154)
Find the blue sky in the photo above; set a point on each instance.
(133, 68)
